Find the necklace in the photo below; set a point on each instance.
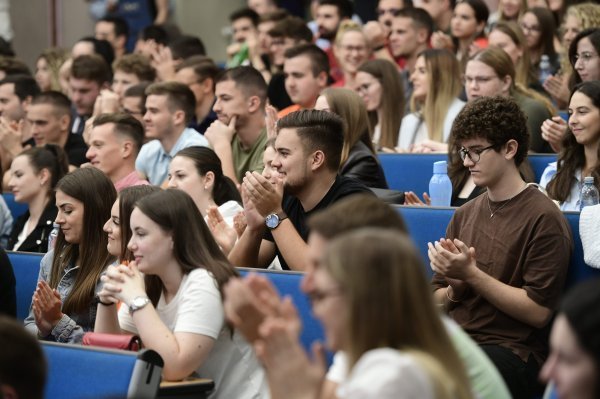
(492, 213)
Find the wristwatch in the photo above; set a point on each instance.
(138, 303)
(273, 220)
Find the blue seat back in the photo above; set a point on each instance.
(539, 162)
(409, 172)
(16, 208)
(288, 284)
(412, 172)
(27, 268)
(80, 372)
(427, 224)
(578, 270)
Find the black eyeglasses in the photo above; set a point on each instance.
(474, 155)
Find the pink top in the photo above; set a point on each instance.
(132, 179)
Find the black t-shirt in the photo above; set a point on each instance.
(278, 96)
(342, 187)
(8, 296)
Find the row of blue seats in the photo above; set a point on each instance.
(425, 224)
(412, 172)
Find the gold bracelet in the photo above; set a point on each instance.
(448, 295)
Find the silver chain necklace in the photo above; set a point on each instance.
(492, 213)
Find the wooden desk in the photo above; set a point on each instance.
(197, 388)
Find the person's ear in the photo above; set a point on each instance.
(506, 84)
(317, 160)
(422, 36)
(64, 122)
(207, 86)
(511, 149)
(254, 103)
(178, 117)
(209, 180)
(44, 176)
(322, 78)
(126, 149)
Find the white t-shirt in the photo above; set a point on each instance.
(197, 308)
(387, 374)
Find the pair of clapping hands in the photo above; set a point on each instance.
(273, 326)
(121, 283)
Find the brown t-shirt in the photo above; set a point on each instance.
(526, 244)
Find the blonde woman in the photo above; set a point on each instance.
(434, 103)
(351, 50)
(47, 68)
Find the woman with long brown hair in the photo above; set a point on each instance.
(580, 152)
(64, 303)
(385, 107)
(176, 305)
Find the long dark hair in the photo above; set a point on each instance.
(194, 246)
(127, 199)
(206, 160)
(572, 156)
(97, 193)
(593, 34)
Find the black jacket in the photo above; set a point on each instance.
(364, 166)
(37, 241)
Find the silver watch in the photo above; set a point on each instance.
(138, 303)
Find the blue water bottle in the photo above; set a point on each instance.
(440, 186)
(545, 68)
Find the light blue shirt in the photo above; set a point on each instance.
(153, 161)
(573, 202)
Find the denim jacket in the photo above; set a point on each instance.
(70, 328)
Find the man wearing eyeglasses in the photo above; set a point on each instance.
(502, 266)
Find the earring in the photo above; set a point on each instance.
(205, 188)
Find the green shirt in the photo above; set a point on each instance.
(250, 160)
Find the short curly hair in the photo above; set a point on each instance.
(495, 119)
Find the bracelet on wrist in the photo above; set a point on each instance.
(448, 296)
(105, 303)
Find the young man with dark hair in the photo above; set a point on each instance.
(49, 115)
(115, 141)
(115, 31)
(134, 101)
(244, 29)
(130, 70)
(409, 36)
(330, 13)
(306, 70)
(16, 93)
(502, 266)
(200, 74)
(440, 11)
(186, 46)
(309, 146)
(89, 75)
(239, 135)
(169, 109)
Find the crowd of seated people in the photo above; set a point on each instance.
(165, 169)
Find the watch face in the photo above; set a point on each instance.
(272, 221)
(139, 302)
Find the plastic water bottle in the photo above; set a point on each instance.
(589, 193)
(545, 68)
(440, 186)
(52, 236)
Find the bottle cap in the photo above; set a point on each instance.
(440, 167)
(588, 179)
